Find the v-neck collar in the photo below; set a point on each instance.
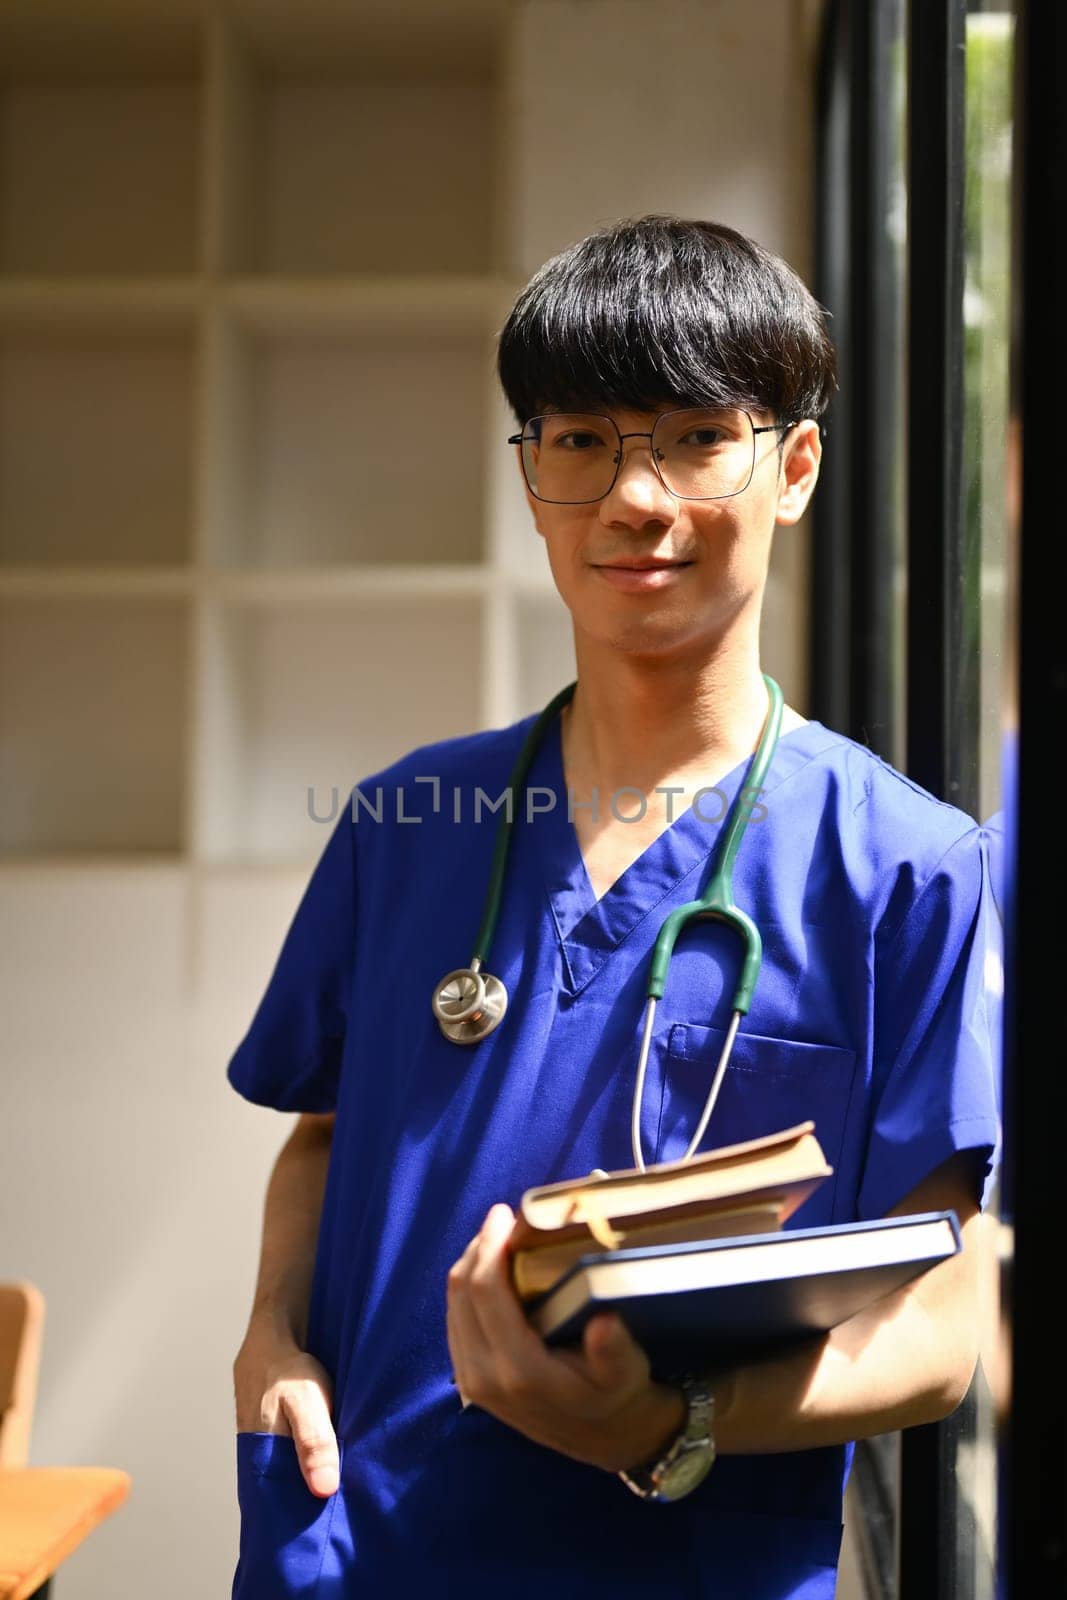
(589, 929)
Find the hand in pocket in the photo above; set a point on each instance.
(279, 1388)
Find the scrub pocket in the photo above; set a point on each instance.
(285, 1529)
(769, 1084)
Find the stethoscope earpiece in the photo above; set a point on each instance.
(469, 1004)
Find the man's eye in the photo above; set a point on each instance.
(703, 438)
(576, 441)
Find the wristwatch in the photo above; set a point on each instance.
(688, 1460)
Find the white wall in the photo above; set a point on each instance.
(132, 1176)
(130, 1189)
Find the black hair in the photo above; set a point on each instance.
(658, 310)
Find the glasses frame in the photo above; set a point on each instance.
(520, 438)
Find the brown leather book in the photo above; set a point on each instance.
(743, 1188)
(539, 1269)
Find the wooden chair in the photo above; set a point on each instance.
(45, 1512)
(21, 1332)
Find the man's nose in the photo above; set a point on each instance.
(638, 496)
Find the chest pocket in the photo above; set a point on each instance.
(769, 1084)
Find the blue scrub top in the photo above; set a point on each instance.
(874, 1014)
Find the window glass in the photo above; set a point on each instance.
(986, 311)
(972, 1536)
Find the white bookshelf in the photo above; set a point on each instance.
(259, 531)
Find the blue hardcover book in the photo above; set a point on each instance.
(728, 1300)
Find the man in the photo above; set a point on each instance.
(667, 377)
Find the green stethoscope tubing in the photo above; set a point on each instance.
(717, 903)
(502, 844)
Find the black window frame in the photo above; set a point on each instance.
(1033, 1454)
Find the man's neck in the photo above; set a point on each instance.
(635, 723)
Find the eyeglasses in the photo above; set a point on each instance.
(700, 453)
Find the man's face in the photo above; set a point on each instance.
(646, 572)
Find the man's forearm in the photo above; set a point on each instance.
(905, 1360)
(291, 1216)
(889, 1368)
(278, 1386)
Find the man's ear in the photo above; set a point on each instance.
(800, 472)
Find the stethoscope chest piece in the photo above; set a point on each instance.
(468, 1004)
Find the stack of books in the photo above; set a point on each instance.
(696, 1258)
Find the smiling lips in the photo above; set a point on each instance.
(636, 576)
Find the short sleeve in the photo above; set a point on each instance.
(938, 1032)
(290, 1058)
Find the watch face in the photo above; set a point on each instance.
(686, 1472)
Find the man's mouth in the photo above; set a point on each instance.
(640, 575)
(643, 564)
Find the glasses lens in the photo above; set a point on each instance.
(705, 454)
(569, 458)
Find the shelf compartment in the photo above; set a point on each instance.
(350, 163)
(99, 177)
(92, 726)
(342, 448)
(304, 697)
(69, 41)
(96, 442)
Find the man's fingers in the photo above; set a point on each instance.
(496, 1306)
(315, 1441)
(491, 1238)
(499, 1221)
(495, 1353)
(615, 1360)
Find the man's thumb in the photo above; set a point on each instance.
(609, 1349)
(316, 1447)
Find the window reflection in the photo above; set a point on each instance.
(986, 321)
(986, 310)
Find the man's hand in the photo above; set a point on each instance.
(279, 1388)
(598, 1405)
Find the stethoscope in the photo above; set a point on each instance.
(469, 1002)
